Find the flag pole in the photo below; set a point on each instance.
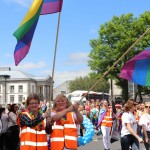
(54, 60)
(106, 73)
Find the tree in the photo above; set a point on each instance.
(85, 83)
(115, 37)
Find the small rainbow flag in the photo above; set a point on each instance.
(51, 6)
(137, 69)
(25, 31)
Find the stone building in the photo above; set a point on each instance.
(17, 85)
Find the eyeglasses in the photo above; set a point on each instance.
(33, 103)
(147, 106)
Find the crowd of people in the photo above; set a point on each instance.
(33, 125)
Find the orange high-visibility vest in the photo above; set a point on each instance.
(64, 135)
(31, 139)
(107, 121)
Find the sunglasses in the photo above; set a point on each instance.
(147, 106)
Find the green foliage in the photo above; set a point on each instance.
(115, 37)
(85, 83)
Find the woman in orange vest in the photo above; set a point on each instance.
(65, 116)
(31, 122)
(106, 125)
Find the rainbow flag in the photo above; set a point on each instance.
(51, 6)
(137, 69)
(25, 31)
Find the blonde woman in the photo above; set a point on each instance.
(145, 123)
(65, 116)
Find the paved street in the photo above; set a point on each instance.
(97, 144)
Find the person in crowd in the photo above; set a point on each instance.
(145, 123)
(12, 139)
(83, 112)
(4, 120)
(129, 136)
(44, 106)
(31, 122)
(106, 123)
(22, 106)
(8, 108)
(65, 116)
(94, 115)
(87, 107)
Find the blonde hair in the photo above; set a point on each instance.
(63, 97)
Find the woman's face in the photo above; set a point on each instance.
(61, 104)
(16, 107)
(147, 108)
(133, 108)
(33, 105)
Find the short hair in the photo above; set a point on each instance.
(61, 96)
(33, 96)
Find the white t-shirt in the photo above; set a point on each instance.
(145, 120)
(128, 117)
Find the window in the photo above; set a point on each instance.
(32, 88)
(63, 92)
(20, 97)
(12, 89)
(20, 89)
(11, 98)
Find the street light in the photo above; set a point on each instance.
(5, 77)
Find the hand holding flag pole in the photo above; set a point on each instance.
(106, 73)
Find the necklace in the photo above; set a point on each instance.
(40, 125)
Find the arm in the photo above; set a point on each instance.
(60, 114)
(26, 121)
(79, 116)
(133, 132)
(145, 133)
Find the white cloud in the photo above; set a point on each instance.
(30, 66)
(26, 66)
(61, 77)
(78, 58)
(25, 3)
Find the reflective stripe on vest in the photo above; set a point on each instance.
(33, 143)
(70, 138)
(57, 139)
(28, 129)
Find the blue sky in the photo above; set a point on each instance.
(80, 22)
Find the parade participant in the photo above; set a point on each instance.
(13, 138)
(31, 121)
(65, 117)
(106, 124)
(4, 121)
(145, 123)
(129, 136)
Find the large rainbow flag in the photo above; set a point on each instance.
(25, 31)
(137, 69)
(51, 6)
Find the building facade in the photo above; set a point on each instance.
(17, 85)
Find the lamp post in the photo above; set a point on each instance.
(5, 77)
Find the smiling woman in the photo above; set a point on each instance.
(65, 116)
(32, 125)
